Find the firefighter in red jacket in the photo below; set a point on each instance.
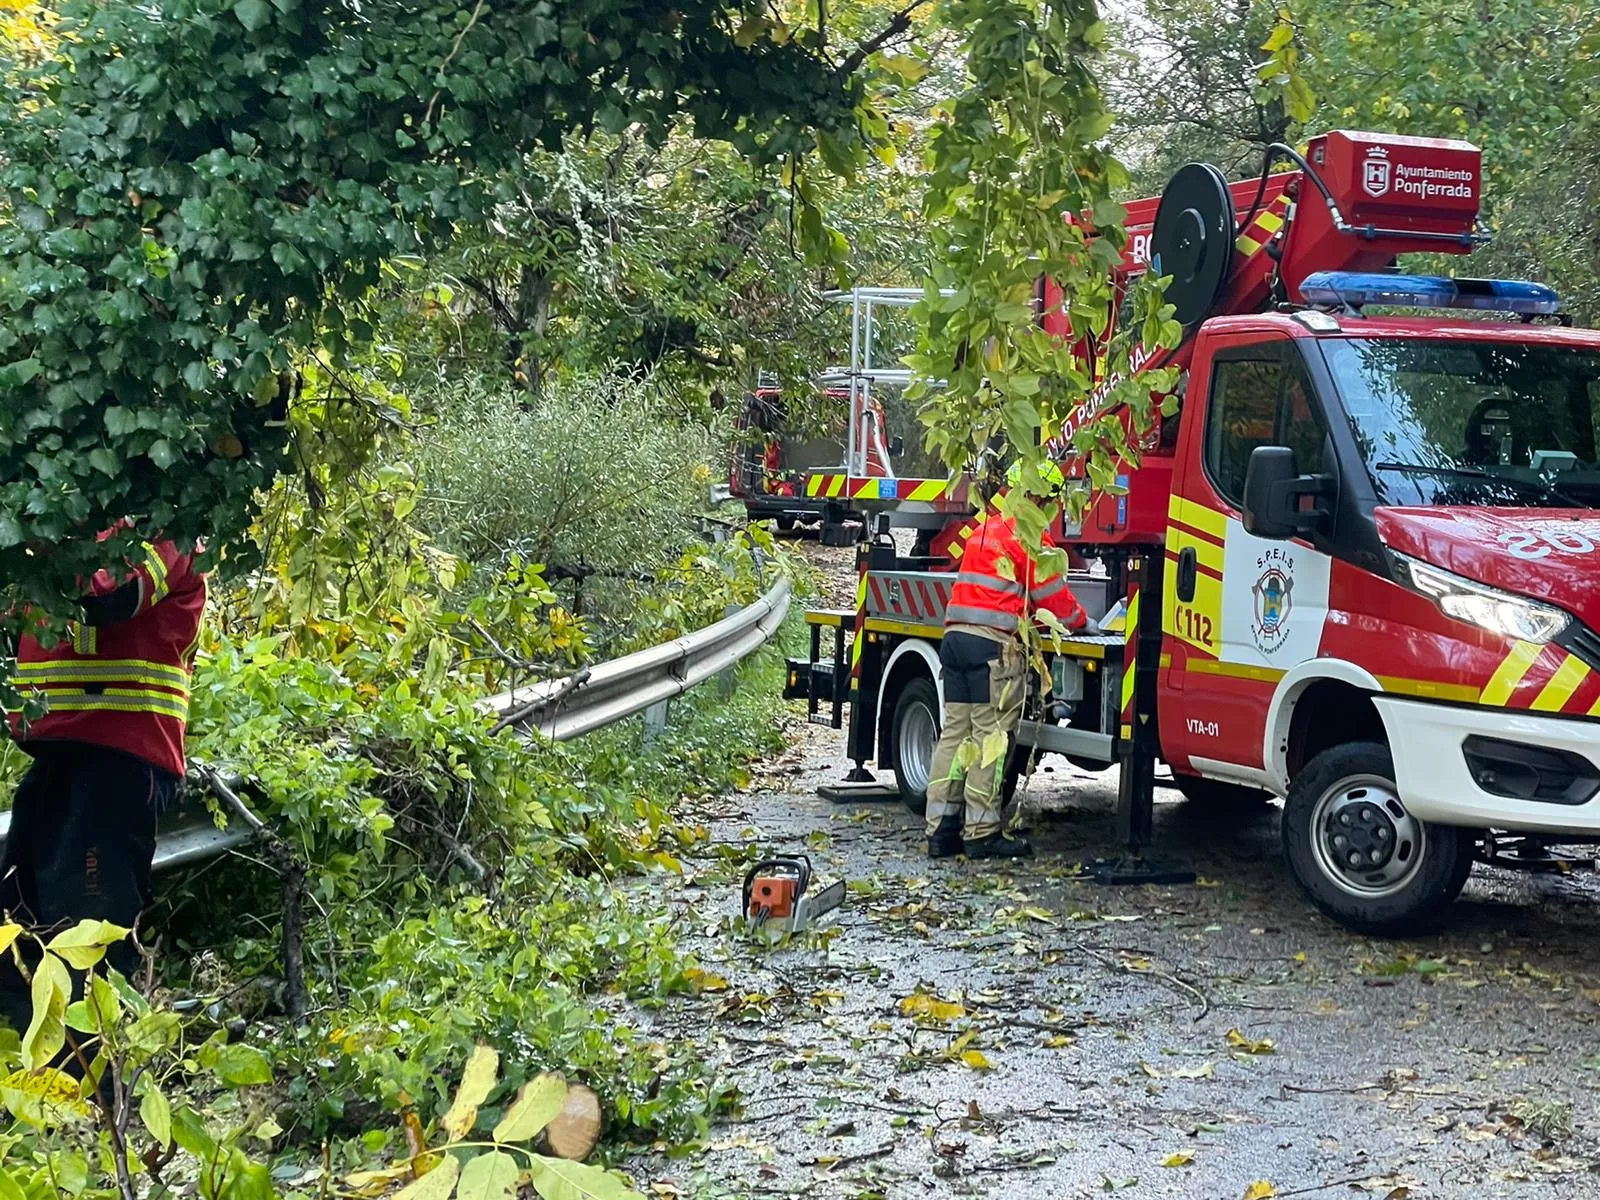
(107, 754)
(985, 682)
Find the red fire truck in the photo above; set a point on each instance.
(1359, 569)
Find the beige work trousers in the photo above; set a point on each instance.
(959, 777)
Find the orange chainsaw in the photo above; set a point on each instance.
(777, 894)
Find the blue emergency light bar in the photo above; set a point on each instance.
(1356, 288)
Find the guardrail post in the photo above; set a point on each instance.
(655, 720)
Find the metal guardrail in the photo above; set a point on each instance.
(568, 708)
(560, 709)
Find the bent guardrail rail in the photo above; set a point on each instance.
(567, 708)
(560, 709)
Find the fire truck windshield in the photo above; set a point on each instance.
(1478, 423)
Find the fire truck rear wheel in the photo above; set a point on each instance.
(785, 522)
(912, 737)
(1360, 856)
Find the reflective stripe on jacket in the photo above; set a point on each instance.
(992, 596)
(122, 683)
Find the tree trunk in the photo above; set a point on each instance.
(534, 291)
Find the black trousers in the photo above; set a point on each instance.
(82, 840)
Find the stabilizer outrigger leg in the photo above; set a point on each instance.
(1139, 744)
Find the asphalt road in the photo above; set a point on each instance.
(1211, 1040)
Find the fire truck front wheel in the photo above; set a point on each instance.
(1360, 856)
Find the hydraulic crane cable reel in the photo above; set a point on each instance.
(1193, 240)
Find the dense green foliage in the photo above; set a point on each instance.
(199, 194)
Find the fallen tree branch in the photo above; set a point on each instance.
(569, 685)
(291, 871)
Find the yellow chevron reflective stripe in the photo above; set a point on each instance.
(835, 485)
(1509, 674)
(154, 564)
(1128, 671)
(861, 604)
(1562, 684)
(927, 489)
(162, 704)
(115, 670)
(1198, 516)
(1264, 226)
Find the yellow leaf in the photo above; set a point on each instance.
(705, 981)
(1239, 1042)
(1034, 913)
(932, 1008)
(663, 859)
(9, 932)
(537, 1104)
(1203, 1071)
(1261, 1189)
(750, 33)
(976, 1060)
(1060, 1042)
(85, 943)
(477, 1081)
(995, 745)
(44, 1098)
(437, 1184)
(1178, 1158)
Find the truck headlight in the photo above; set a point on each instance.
(1486, 607)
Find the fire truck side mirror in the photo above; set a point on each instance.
(1274, 492)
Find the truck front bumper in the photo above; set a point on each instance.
(1444, 756)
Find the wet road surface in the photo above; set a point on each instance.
(965, 1029)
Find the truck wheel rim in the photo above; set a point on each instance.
(1364, 840)
(918, 736)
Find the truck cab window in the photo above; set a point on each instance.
(1244, 414)
(1455, 422)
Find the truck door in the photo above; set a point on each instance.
(1240, 610)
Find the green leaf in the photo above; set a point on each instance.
(537, 1104)
(559, 1179)
(491, 1176)
(156, 1113)
(1282, 34)
(18, 373)
(11, 533)
(189, 1131)
(253, 14)
(47, 1032)
(85, 943)
(437, 1184)
(239, 1065)
(161, 452)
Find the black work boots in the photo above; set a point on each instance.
(945, 841)
(999, 845)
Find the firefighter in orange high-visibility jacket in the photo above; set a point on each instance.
(108, 752)
(985, 676)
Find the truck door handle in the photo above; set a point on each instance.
(1188, 564)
